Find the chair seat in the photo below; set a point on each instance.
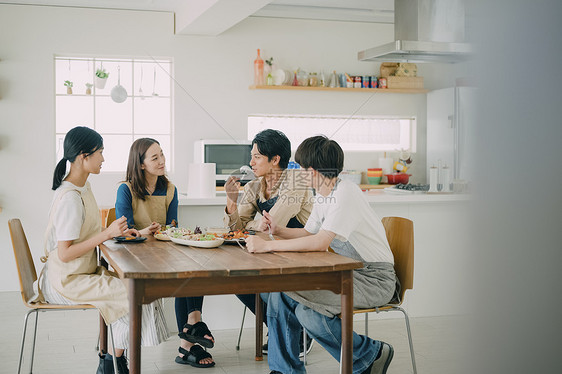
(58, 306)
(374, 310)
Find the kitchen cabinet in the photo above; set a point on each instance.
(370, 90)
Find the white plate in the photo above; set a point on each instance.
(199, 243)
(162, 237)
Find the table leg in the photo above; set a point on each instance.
(259, 327)
(136, 288)
(347, 320)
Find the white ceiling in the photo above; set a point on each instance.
(212, 17)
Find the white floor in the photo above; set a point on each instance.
(66, 341)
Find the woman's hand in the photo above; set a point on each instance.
(232, 188)
(133, 232)
(255, 244)
(149, 230)
(117, 228)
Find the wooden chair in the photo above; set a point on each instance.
(400, 235)
(27, 276)
(107, 216)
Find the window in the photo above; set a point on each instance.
(363, 133)
(146, 111)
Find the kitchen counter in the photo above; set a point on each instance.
(441, 239)
(373, 196)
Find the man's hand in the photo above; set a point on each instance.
(232, 188)
(268, 220)
(256, 244)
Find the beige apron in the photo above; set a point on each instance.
(82, 280)
(152, 209)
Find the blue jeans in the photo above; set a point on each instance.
(284, 317)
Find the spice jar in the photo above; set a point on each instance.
(302, 78)
(313, 80)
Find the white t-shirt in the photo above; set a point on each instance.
(69, 215)
(348, 214)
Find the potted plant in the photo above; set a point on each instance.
(89, 88)
(101, 78)
(268, 69)
(68, 85)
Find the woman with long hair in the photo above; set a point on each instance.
(149, 201)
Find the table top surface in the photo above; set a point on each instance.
(153, 259)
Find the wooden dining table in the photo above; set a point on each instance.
(154, 269)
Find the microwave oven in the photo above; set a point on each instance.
(228, 156)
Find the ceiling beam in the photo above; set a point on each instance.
(212, 17)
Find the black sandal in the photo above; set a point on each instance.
(196, 334)
(194, 356)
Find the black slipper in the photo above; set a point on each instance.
(194, 356)
(196, 334)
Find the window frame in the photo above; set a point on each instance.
(411, 135)
(133, 95)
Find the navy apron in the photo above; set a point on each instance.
(268, 204)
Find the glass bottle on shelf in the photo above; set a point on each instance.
(322, 82)
(313, 80)
(258, 71)
(295, 80)
(334, 80)
(302, 78)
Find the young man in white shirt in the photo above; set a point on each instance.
(343, 220)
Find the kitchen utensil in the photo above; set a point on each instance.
(281, 77)
(396, 178)
(270, 234)
(374, 180)
(118, 93)
(154, 84)
(374, 172)
(140, 86)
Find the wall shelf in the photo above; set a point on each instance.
(379, 90)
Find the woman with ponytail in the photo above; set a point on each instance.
(71, 274)
(149, 201)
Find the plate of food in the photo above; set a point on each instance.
(129, 239)
(162, 234)
(235, 236)
(199, 240)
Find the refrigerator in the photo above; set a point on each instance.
(450, 119)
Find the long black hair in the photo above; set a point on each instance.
(77, 141)
(273, 143)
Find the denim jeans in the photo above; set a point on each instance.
(284, 315)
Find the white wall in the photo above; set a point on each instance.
(212, 74)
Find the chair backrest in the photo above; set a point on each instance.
(400, 235)
(24, 261)
(110, 217)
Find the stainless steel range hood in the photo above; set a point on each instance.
(425, 31)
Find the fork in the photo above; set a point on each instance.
(240, 244)
(270, 234)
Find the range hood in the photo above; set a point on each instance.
(425, 31)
